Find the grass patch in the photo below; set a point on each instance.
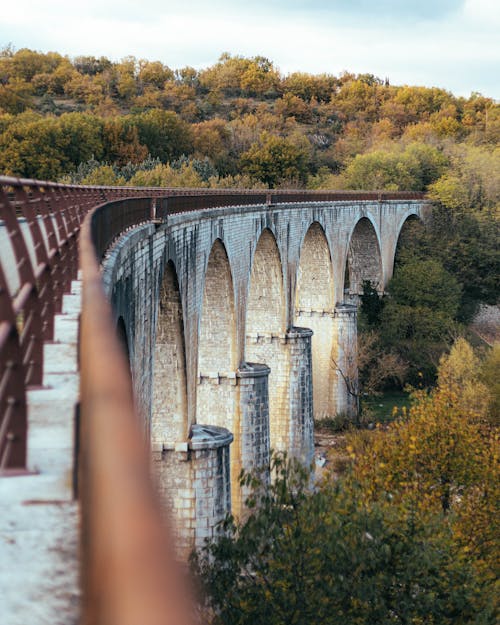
(381, 408)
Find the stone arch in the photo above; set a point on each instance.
(315, 288)
(364, 259)
(266, 332)
(217, 342)
(266, 308)
(169, 405)
(217, 392)
(314, 309)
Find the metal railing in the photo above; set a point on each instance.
(128, 573)
(40, 222)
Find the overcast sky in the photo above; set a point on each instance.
(453, 44)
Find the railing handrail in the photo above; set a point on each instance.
(129, 575)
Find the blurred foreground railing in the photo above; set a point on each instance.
(128, 574)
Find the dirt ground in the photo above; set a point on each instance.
(329, 451)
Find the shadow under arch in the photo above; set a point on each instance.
(266, 306)
(169, 421)
(410, 231)
(121, 333)
(363, 261)
(314, 309)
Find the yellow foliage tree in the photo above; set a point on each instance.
(442, 457)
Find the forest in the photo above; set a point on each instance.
(404, 527)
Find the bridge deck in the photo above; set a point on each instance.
(38, 514)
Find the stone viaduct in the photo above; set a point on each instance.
(236, 321)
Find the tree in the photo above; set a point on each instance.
(121, 141)
(307, 86)
(167, 176)
(425, 284)
(292, 106)
(472, 182)
(418, 320)
(489, 376)
(333, 556)
(235, 75)
(80, 137)
(154, 73)
(15, 96)
(91, 65)
(164, 133)
(378, 367)
(371, 305)
(411, 169)
(275, 160)
(104, 175)
(442, 456)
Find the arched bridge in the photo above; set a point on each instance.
(236, 311)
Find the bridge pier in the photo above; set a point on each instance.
(290, 389)
(345, 360)
(194, 483)
(301, 425)
(321, 322)
(252, 441)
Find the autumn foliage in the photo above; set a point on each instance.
(409, 533)
(349, 131)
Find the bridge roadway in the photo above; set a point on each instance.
(234, 320)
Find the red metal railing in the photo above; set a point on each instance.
(39, 257)
(127, 565)
(129, 576)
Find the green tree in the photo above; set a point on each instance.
(371, 305)
(333, 556)
(275, 160)
(411, 169)
(418, 319)
(164, 133)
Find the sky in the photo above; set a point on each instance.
(454, 44)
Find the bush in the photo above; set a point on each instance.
(331, 556)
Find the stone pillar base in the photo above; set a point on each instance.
(254, 426)
(301, 423)
(194, 483)
(345, 354)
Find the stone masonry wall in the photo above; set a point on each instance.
(252, 450)
(260, 271)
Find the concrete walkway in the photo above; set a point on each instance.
(38, 515)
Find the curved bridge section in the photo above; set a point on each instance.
(228, 315)
(241, 319)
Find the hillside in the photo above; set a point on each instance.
(237, 123)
